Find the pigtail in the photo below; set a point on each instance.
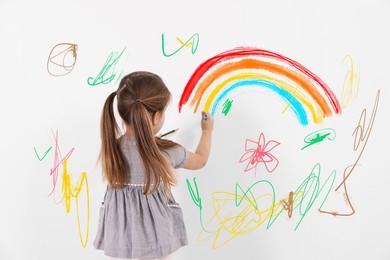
(112, 158)
(157, 166)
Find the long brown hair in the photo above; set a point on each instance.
(140, 95)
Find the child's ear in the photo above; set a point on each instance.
(156, 117)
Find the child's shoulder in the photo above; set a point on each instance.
(177, 155)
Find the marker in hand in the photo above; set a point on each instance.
(204, 116)
(207, 121)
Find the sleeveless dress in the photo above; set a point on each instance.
(134, 225)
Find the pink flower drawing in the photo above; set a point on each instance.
(259, 152)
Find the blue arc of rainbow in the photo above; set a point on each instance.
(296, 106)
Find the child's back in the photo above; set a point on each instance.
(139, 218)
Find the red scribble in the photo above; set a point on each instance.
(58, 161)
(259, 152)
(241, 52)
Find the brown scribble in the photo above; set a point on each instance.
(346, 197)
(288, 205)
(361, 133)
(62, 59)
(333, 213)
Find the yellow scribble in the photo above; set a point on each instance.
(351, 83)
(227, 224)
(183, 43)
(69, 191)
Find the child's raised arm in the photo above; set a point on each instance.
(199, 158)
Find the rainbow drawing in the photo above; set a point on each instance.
(247, 67)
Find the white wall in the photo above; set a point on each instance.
(317, 34)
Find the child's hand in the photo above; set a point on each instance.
(207, 122)
(198, 159)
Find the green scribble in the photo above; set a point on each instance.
(252, 199)
(306, 186)
(273, 194)
(44, 155)
(107, 73)
(226, 106)
(197, 200)
(194, 195)
(304, 198)
(310, 189)
(193, 41)
(319, 136)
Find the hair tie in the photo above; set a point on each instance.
(139, 100)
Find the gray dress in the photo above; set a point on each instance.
(133, 225)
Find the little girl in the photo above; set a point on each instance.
(139, 218)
